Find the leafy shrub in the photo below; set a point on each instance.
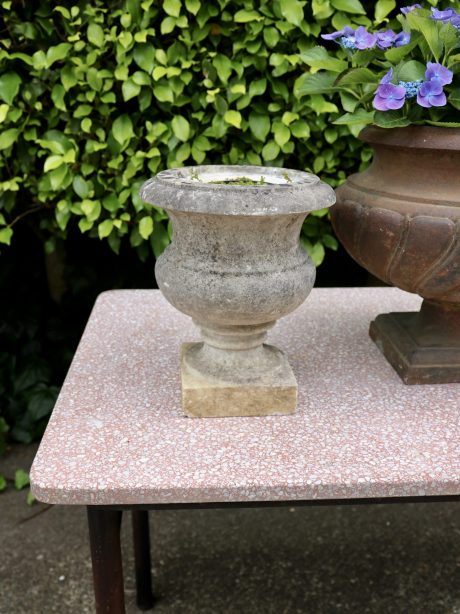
(96, 96)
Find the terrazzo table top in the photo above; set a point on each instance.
(118, 436)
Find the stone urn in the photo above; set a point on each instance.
(235, 265)
(400, 219)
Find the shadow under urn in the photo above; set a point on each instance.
(400, 219)
(235, 265)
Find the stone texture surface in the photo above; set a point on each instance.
(377, 559)
(235, 264)
(274, 393)
(117, 434)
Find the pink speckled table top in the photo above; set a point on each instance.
(117, 434)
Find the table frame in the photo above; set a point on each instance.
(104, 531)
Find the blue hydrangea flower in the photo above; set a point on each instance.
(403, 38)
(411, 87)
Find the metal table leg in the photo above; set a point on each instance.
(141, 540)
(104, 535)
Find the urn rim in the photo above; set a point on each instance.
(202, 189)
(413, 137)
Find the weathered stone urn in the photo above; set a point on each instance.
(400, 219)
(235, 265)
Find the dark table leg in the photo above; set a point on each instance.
(141, 539)
(104, 535)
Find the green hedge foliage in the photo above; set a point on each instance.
(97, 96)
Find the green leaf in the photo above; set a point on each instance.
(57, 96)
(57, 53)
(8, 137)
(172, 7)
(5, 235)
(52, 162)
(349, 6)
(233, 118)
(443, 124)
(122, 129)
(9, 86)
(318, 57)
(292, 11)
(270, 151)
(383, 8)
(163, 93)
(146, 227)
(80, 186)
(319, 83)
(410, 71)
(271, 36)
(95, 34)
(259, 125)
(57, 176)
(246, 16)
(21, 479)
(357, 76)
(144, 56)
(130, 89)
(430, 30)
(30, 500)
(300, 129)
(454, 98)
(281, 133)
(192, 6)
(4, 108)
(105, 228)
(181, 128)
(390, 119)
(257, 87)
(223, 66)
(2, 483)
(359, 117)
(397, 54)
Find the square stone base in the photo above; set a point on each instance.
(204, 397)
(415, 361)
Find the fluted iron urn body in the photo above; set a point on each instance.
(235, 265)
(400, 219)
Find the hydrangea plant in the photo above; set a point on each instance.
(392, 78)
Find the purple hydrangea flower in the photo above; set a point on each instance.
(389, 97)
(439, 73)
(364, 39)
(353, 39)
(431, 94)
(410, 8)
(444, 16)
(346, 31)
(386, 39)
(402, 39)
(387, 77)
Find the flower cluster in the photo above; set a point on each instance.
(429, 92)
(447, 16)
(362, 39)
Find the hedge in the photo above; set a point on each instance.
(96, 96)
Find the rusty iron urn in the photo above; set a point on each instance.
(400, 219)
